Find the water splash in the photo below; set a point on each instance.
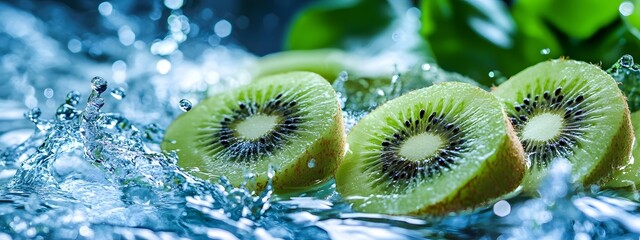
(627, 72)
(361, 95)
(97, 165)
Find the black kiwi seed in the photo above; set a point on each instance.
(401, 169)
(433, 114)
(558, 91)
(551, 102)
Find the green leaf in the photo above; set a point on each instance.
(335, 23)
(477, 37)
(579, 19)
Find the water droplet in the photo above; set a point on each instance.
(33, 114)
(344, 75)
(271, 171)
(248, 175)
(185, 105)
(545, 51)
(99, 84)
(48, 92)
(66, 112)
(626, 8)
(626, 61)
(426, 67)
(73, 98)
(118, 93)
(311, 163)
(502, 208)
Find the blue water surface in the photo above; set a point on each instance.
(84, 101)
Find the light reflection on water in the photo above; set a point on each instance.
(92, 168)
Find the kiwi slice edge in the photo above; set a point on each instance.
(629, 176)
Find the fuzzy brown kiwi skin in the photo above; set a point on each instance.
(327, 153)
(505, 173)
(618, 153)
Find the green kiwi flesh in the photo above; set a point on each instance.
(292, 122)
(568, 109)
(439, 149)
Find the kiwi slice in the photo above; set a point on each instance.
(328, 63)
(292, 122)
(569, 109)
(444, 148)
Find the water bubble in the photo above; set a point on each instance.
(99, 84)
(118, 93)
(163, 66)
(626, 61)
(426, 67)
(48, 92)
(502, 208)
(626, 8)
(33, 114)
(311, 163)
(105, 8)
(173, 4)
(545, 51)
(185, 105)
(222, 28)
(73, 98)
(497, 76)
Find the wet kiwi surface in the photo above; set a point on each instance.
(569, 109)
(291, 121)
(629, 176)
(438, 149)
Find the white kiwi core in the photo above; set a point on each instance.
(421, 146)
(256, 126)
(543, 127)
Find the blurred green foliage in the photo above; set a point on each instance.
(477, 37)
(334, 23)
